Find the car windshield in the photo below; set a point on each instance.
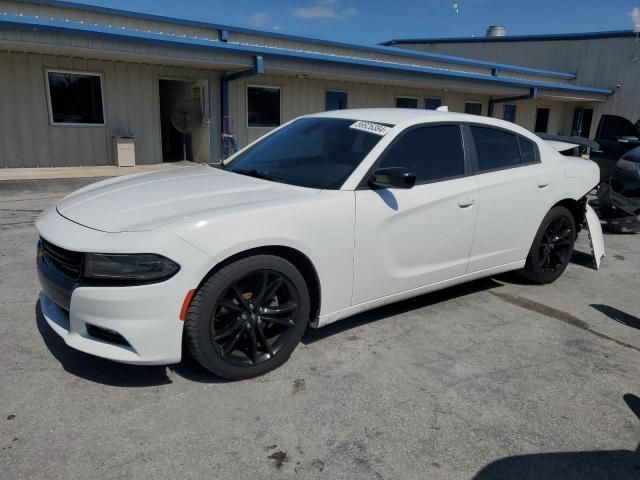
(310, 152)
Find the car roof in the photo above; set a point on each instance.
(408, 116)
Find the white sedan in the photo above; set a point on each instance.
(326, 216)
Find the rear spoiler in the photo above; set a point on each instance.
(560, 143)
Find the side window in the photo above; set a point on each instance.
(433, 153)
(528, 150)
(495, 148)
(613, 127)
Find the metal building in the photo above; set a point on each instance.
(72, 77)
(610, 59)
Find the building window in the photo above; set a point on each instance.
(263, 106)
(75, 98)
(432, 103)
(542, 120)
(335, 100)
(473, 108)
(509, 113)
(406, 102)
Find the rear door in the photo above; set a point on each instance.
(409, 238)
(514, 192)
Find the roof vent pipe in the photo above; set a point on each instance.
(496, 31)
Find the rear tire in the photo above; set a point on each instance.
(552, 247)
(248, 317)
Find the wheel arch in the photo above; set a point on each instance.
(577, 209)
(301, 261)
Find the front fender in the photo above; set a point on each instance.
(319, 226)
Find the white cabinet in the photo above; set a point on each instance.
(125, 151)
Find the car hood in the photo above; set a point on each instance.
(147, 201)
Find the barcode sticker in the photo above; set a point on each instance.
(371, 127)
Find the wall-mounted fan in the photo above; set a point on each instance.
(186, 116)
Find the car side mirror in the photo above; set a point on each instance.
(393, 177)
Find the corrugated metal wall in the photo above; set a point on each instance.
(602, 62)
(91, 17)
(303, 96)
(131, 106)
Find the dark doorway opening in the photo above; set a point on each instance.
(173, 92)
(542, 120)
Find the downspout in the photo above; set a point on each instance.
(228, 140)
(533, 93)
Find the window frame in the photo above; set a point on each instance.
(50, 103)
(246, 102)
(466, 152)
(474, 153)
(410, 97)
(335, 90)
(475, 102)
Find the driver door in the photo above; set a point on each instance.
(410, 238)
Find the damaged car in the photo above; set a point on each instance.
(618, 199)
(324, 217)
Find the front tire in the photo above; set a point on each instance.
(248, 317)
(552, 247)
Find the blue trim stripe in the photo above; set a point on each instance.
(515, 38)
(375, 49)
(100, 31)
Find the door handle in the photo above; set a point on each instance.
(466, 202)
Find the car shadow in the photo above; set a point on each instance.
(589, 465)
(313, 335)
(583, 259)
(106, 372)
(618, 315)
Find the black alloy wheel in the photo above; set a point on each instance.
(254, 318)
(556, 245)
(552, 247)
(248, 317)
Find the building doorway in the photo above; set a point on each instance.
(542, 120)
(581, 125)
(175, 145)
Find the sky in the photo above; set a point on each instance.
(374, 21)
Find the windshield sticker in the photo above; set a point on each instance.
(371, 127)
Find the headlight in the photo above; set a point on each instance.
(134, 268)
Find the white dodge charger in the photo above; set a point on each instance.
(326, 216)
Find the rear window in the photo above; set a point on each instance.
(495, 148)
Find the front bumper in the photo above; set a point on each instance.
(146, 317)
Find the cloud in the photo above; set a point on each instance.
(635, 16)
(262, 20)
(324, 10)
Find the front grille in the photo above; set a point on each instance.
(65, 261)
(106, 334)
